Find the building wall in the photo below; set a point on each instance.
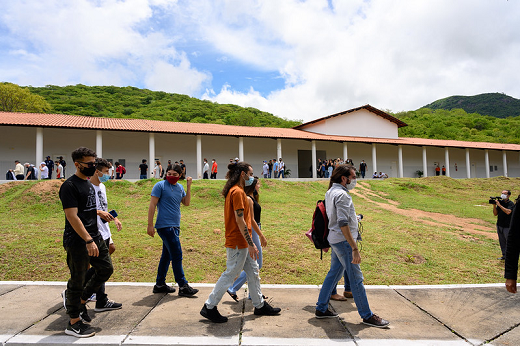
(20, 143)
(361, 123)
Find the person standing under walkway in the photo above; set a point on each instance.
(502, 210)
(18, 170)
(143, 170)
(363, 168)
(214, 169)
(50, 166)
(281, 169)
(167, 196)
(240, 249)
(345, 256)
(205, 169)
(82, 242)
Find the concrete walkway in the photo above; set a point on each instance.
(32, 312)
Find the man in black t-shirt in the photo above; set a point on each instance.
(143, 170)
(502, 210)
(83, 243)
(50, 165)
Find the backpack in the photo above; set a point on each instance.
(123, 170)
(320, 228)
(63, 163)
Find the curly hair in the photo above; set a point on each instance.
(233, 175)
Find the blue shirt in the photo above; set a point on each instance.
(169, 205)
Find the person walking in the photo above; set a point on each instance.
(82, 242)
(257, 235)
(513, 250)
(18, 170)
(103, 219)
(345, 256)
(240, 249)
(50, 166)
(363, 168)
(281, 169)
(214, 169)
(265, 170)
(205, 169)
(158, 170)
(167, 196)
(44, 171)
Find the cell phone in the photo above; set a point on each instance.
(113, 213)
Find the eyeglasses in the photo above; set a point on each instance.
(89, 164)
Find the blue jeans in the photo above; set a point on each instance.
(281, 174)
(243, 277)
(143, 176)
(171, 252)
(237, 259)
(341, 261)
(347, 284)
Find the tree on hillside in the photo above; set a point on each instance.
(13, 98)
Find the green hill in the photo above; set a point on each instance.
(494, 104)
(131, 102)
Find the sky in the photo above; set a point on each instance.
(299, 60)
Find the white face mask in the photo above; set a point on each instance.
(352, 184)
(503, 196)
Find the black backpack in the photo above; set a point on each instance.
(320, 228)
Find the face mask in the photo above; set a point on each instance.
(88, 171)
(172, 180)
(250, 181)
(104, 178)
(503, 196)
(352, 184)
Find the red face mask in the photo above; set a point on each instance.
(172, 180)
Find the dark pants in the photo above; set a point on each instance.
(213, 175)
(205, 176)
(171, 252)
(503, 232)
(100, 293)
(78, 261)
(20, 177)
(363, 174)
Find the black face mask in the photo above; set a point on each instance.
(88, 171)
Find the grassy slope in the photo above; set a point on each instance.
(396, 249)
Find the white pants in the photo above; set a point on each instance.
(237, 260)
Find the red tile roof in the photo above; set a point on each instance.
(367, 107)
(156, 126)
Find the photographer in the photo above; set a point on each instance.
(502, 209)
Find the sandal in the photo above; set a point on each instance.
(233, 295)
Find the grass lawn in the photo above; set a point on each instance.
(434, 230)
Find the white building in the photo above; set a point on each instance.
(363, 133)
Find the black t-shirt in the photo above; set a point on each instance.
(503, 220)
(143, 167)
(78, 193)
(257, 209)
(362, 166)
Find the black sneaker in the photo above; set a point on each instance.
(376, 321)
(84, 314)
(326, 314)
(213, 315)
(107, 306)
(163, 289)
(267, 310)
(79, 330)
(187, 291)
(64, 296)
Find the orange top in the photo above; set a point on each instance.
(236, 199)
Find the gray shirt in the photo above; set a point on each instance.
(341, 212)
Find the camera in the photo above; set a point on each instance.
(493, 199)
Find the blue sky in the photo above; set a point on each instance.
(296, 59)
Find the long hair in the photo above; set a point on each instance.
(233, 175)
(250, 190)
(340, 171)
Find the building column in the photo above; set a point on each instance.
(278, 148)
(345, 151)
(400, 159)
(314, 168)
(39, 148)
(424, 162)
(374, 157)
(468, 164)
(486, 162)
(199, 156)
(99, 143)
(241, 148)
(504, 162)
(151, 153)
(447, 161)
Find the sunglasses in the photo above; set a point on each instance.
(88, 164)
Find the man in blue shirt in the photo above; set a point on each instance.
(167, 196)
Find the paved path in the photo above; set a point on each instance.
(32, 312)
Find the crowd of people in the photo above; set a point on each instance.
(88, 241)
(45, 170)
